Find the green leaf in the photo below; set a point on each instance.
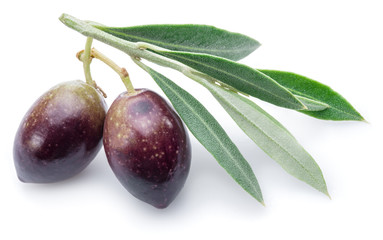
(189, 38)
(241, 77)
(209, 133)
(339, 108)
(270, 136)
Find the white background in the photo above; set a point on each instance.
(339, 43)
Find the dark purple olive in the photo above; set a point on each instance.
(147, 147)
(60, 134)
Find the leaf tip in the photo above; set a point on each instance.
(325, 191)
(304, 107)
(327, 194)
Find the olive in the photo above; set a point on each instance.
(60, 134)
(147, 147)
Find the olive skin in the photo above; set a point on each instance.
(147, 147)
(60, 134)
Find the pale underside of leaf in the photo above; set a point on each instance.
(270, 136)
(209, 132)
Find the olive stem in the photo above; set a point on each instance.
(86, 60)
(130, 48)
(136, 51)
(124, 75)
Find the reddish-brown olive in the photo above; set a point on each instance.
(147, 147)
(60, 134)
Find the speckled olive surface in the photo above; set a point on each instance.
(147, 147)
(60, 134)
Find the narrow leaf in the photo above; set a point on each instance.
(209, 133)
(339, 108)
(240, 77)
(270, 136)
(189, 38)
